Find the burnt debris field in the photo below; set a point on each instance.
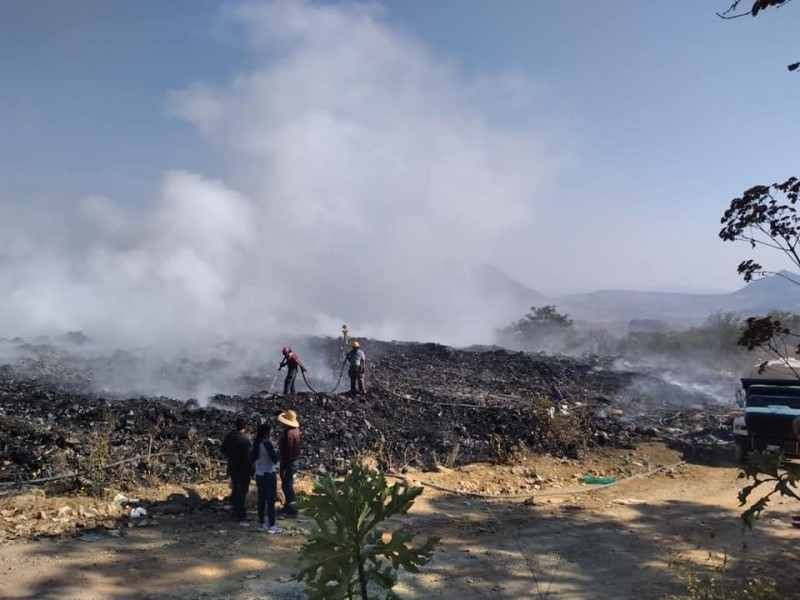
(425, 403)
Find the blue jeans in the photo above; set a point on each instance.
(288, 383)
(267, 485)
(288, 472)
(239, 489)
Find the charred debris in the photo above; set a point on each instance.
(423, 401)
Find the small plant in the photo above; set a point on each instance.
(452, 456)
(384, 454)
(505, 453)
(347, 554)
(199, 450)
(718, 586)
(151, 476)
(99, 455)
(554, 430)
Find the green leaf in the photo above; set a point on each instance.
(346, 514)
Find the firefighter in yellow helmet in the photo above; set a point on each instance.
(357, 369)
(345, 334)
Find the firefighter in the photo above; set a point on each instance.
(358, 368)
(292, 362)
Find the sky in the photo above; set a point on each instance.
(248, 167)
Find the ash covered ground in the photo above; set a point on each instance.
(65, 412)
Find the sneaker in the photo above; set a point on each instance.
(263, 527)
(275, 529)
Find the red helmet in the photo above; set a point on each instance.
(286, 350)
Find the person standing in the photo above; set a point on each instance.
(265, 460)
(345, 335)
(236, 447)
(292, 362)
(289, 452)
(357, 369)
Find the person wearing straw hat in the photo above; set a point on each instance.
(289, 451)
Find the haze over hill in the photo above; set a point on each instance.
(775, 292)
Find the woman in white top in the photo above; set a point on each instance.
(265, 458)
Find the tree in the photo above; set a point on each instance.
(767, 468)
(723, 330)
(601, 342)
(346, 553)
(766, 216)
(540, 321)
(734, 12)
(543, 328)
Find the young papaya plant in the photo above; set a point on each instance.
(348, 554)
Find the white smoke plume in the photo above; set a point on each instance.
(363, 178)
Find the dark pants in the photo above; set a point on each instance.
(239, 489)
(267, 485)
(357, 377)
(288, 384)
(288, 472)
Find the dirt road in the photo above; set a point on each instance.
(628, 541)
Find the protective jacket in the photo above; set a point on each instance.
(292, 361)
(357, 359)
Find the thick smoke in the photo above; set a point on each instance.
(363, 180)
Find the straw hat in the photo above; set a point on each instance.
(289, 418)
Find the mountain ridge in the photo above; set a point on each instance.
(779, 291)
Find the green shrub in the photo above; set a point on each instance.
(346, 553)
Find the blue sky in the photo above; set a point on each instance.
(653, 115)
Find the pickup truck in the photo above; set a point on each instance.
(769, 408)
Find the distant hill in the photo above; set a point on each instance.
(495, 282)
(758, 297)
(775, 292)
(781, 291)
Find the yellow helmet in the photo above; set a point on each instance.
(356, 344)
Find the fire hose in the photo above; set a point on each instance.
(572, 492)
(338, 381)
(403, 478)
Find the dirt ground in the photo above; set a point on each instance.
(632, 540)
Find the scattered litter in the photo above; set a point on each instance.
(122, 500)
(597, 480)
(138, 513)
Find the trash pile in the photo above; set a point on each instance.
(424, 402)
